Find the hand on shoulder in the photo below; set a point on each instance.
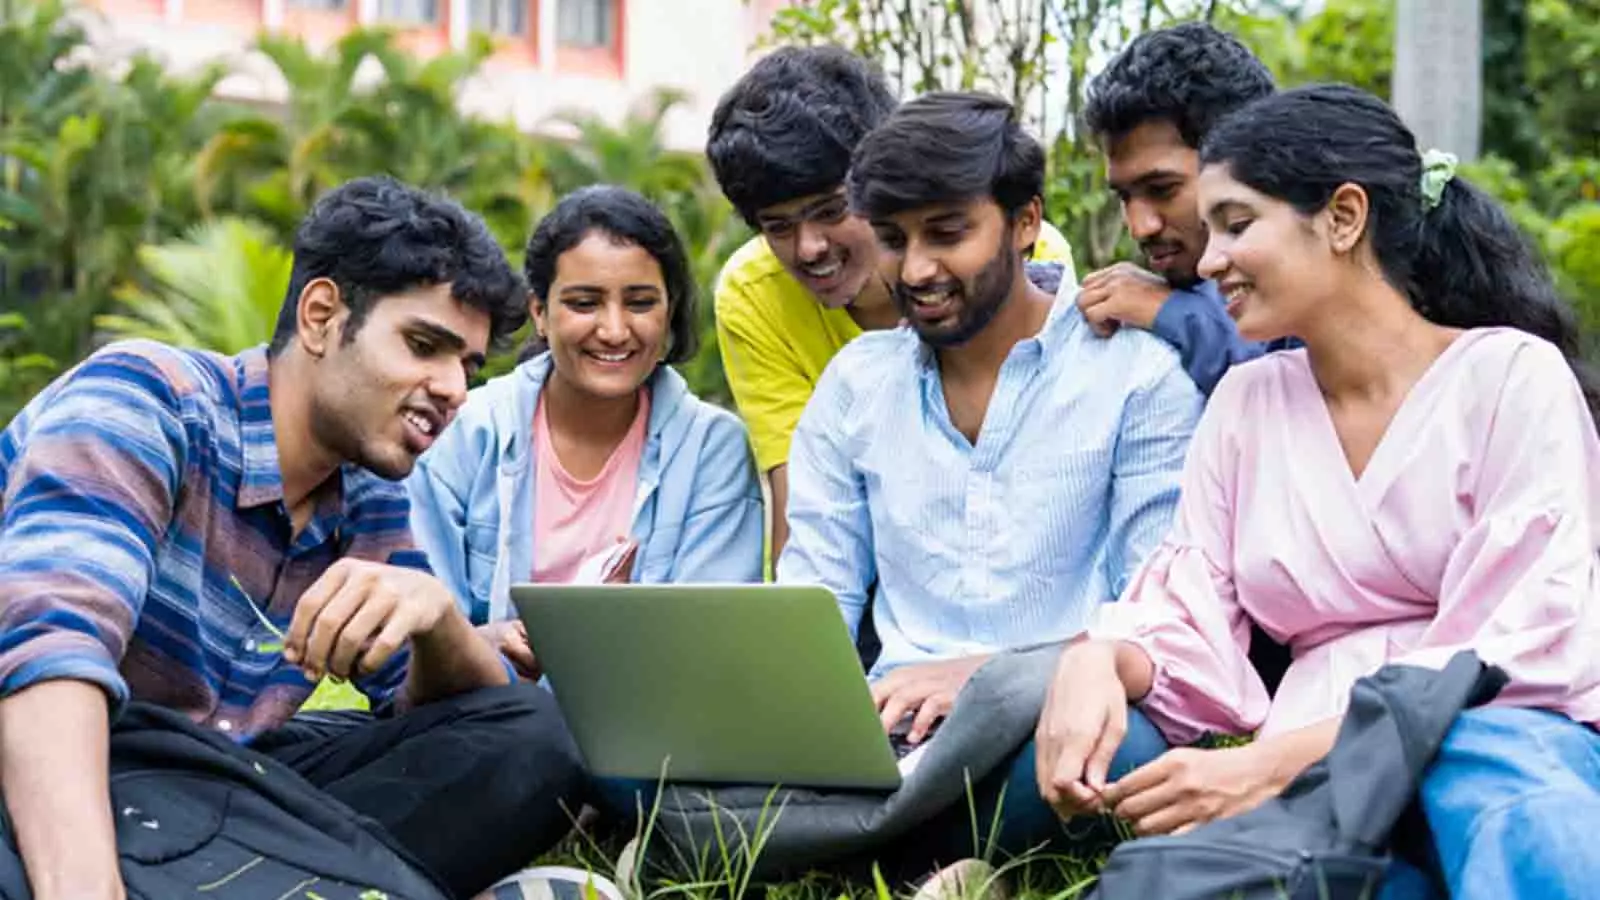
(1122, 294)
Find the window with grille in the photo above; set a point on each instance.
(585, 23)
(499, 16)
(417, 12)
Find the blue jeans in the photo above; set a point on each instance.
(1513, 800)
(1007, 817)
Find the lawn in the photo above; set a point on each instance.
(723, 875)
(723, 871)
(1038, 876)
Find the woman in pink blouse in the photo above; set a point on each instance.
(1423, 477)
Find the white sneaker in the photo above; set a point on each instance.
(553, 883)
(967, 879)
(627, 873)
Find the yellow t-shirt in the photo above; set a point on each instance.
(776, 339)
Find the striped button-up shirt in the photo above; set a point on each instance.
(1009, 541)
(145, 546)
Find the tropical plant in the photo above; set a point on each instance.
(367, 107)
(632, 153)
(1334, 43)
(1573, 244)
(274, 166)
(97, 163)
(711, 232)
(1562, 58)
(90, 167)
(21, 372)
(411, 126)
(219, 288)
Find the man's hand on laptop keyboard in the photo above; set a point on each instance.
(925, 691)
(897, 737)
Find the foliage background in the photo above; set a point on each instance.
(133, 203)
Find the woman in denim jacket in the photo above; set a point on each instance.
(593, 444)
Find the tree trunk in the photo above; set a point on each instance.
(1438, 72)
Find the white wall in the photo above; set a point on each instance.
(697, 46)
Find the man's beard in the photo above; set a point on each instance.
(977, 305)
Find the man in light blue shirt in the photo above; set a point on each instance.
(995, 468)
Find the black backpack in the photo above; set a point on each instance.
(198, 818)
(1327, 836)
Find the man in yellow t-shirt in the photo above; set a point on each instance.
(787, 301)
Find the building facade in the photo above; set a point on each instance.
(553, 56)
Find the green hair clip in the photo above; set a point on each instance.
(1438, 167)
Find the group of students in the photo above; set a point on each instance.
(1342, 410)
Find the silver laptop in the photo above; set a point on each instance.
(755, 684)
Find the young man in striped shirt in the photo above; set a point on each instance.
(213, 535)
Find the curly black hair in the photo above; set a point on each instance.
(627, 218)
(1190, 75)
(374, 237)
(788, 127)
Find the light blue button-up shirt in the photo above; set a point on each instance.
(1013, 540)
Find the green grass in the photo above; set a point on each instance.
(723, 872)
(1036, 876)
(724, 869)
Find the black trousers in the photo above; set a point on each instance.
(475, 786)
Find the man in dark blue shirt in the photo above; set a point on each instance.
(1149, 110)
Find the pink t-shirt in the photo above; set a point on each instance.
(574, 520)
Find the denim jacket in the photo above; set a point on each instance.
(698, 515)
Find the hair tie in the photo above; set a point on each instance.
(1438, 167)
